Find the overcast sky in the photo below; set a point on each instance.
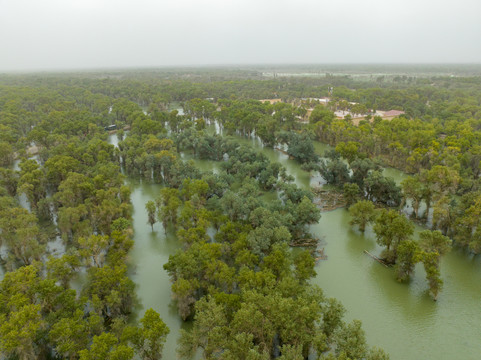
(83, 34)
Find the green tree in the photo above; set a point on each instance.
(381, 189)
(151, 208)
(434, 241)
(391, 228)
(408, 254)
(150, 337)
(19, 332)
(362, 213)
(321, 113)
(412, 189)
(351, 193)
(351, 341)
(430, 261)
(110, 291)
(107, 347)
(71, 335)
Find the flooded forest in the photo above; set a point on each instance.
(241, 213)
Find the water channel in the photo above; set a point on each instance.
(400, 318)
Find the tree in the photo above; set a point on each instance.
(57, 168)
(304, 266)
(151, 208)
(20, 234)
(19, 332)
(110, 290)
(321, 113)
(332, 314)
(63, 269)
(305, 213)
(6, 153)
(32, 182)
(348, 151)
(438, 181)
(381, 189)
(361, 169)
(351, 341)
(167, 206)
(391, 228)
(412, 189)
(71, 335)
(300, 147)
(149, 339)
(208, 333)
(351, 193)
(107, 347)
(443, 215)
(408, 254)
(334, 171)
(362, 213)
(430, 261)
(94, 250)
(434, 241)
(9, 180)
(184, 293)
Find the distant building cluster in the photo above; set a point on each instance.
(341, 113)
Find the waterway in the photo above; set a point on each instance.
(400, 318)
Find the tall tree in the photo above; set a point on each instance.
(151, 209)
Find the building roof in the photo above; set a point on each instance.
(393, 113)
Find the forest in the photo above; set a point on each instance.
(241, 277)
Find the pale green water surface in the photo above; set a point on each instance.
(401, 318)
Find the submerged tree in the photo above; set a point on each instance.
(391, 228)
(151, 209)
(362, 213)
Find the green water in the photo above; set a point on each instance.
(401, 318)
(150, 252)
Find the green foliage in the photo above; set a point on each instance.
(300, 147)
(19, 331)
(106, 347)
(434, 241)
(430, 261)
(351, 341)
(150, 338)
(71, 335)
(412, 189)
(151, 209)
(382, 190)
(362, 213)
(334, 170)
(321, 114)
(351, 193)
(391, 228)
(408, 253)
(110, 290)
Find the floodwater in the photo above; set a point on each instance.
(400, 318)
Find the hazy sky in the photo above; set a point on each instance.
(69, 34)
